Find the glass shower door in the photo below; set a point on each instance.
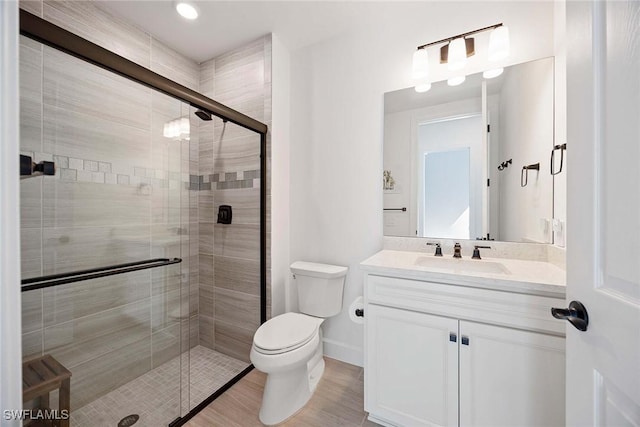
(119, 195)
(228, 260)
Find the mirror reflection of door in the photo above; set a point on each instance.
(450, 193)
(446, 194)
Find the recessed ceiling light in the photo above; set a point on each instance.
(187, 10)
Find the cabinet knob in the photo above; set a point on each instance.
(453, 337)
(464, 340)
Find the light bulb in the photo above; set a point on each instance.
(422, 87)
(455, 81)
(420, 64)
(457, 57)
(187, 10)
(499, 43)
(489, 74)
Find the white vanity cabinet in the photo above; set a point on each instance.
(411, 368)
(510, 377)
(445, 354)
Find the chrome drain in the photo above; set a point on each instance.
(129, 420)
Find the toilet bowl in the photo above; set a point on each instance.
(293, 364)
(288, 347)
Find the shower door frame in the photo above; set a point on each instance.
(45, 32)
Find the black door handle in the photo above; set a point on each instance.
(576, 314)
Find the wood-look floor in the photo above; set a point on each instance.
(338, 401)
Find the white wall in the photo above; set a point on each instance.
(280, 176)
(526, 136)
(336, 128)
(10, 318)
(397, 160)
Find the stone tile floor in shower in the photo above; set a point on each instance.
(155, 395)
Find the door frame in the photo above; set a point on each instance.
(10, 302)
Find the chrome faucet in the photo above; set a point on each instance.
(457, 251)
(438, 248)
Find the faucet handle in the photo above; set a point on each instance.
(476, 251)
(457, 250)
(438, 248)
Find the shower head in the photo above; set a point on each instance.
(204, 115)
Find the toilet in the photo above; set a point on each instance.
(288, 347)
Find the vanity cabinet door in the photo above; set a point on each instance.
(411, 370)
(510, 377)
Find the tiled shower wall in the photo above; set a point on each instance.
(229, 165)
(120, 195)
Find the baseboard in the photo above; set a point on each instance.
(343, 352)
(380, 421)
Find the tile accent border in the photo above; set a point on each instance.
(230, 180)
(72, 169)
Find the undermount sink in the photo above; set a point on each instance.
(463, 265)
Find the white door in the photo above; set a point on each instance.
(412, 368)
(510, 377)
(603, 235)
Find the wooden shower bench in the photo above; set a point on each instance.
(42, 375)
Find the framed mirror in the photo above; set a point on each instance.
(472, 161)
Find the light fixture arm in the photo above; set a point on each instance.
(449, 39)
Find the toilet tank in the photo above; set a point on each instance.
(320, 288)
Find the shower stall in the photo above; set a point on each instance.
(143, 235)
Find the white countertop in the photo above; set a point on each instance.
(521, 276)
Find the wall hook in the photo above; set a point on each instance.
(505, 165)
(562, 148)
(524, 174)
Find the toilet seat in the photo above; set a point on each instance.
(286, 332)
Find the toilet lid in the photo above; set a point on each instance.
(286, 331)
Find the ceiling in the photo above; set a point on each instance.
(225, 25)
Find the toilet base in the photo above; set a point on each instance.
(286, 393)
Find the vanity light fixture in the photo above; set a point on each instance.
(420, 64)
(457, 80)
(489, 74)
(422, 87)
(187, 10)
(455, 52)
(420, 71)
(499, 44)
